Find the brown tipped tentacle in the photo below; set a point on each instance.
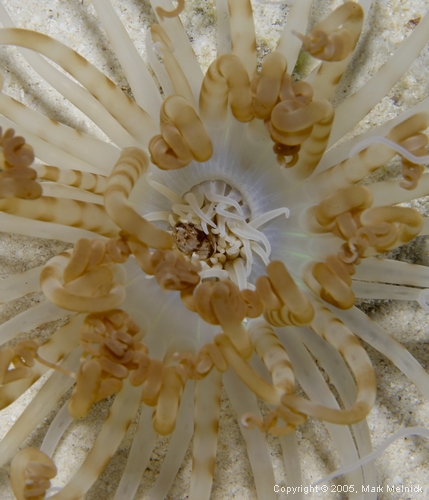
(226, 80)
(173, 272)
(15, 152)
(253, 380)
(298, 125)
(333, 41)
(93, 183)
(270, 420)
(342, 339)
(393, 226)
(206, 424)
(358, 166)
(335, 37)
(266, 86)
(75, 282)
(108, 337)
(243, 40)
(412, 172)
(16, 363)
(183, 136)
(162, 13)
(30, 474)
(284, 303)
(272, 353)
(174, 70)
(164, 417)
(220, 303)
(132, 164)
(17, 179)
(328, 285)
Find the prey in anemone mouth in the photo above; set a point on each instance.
(219, 228)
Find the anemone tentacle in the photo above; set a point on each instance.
(219, 242)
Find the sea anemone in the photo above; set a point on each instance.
(216, 236)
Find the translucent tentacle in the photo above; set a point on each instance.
(297, 19)
(138, 457)
(242, 400)
(129, 114)
(87, 148)
(351, 111)
(144, 89)
(207, 401)
(185, 56)
(76, 94)
(19, 285)
(178, 446)
(45, 401)
(114, 428)
(243, 41)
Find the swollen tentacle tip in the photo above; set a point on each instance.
(88, 290)
(213, 248)
(30, 474)
(183, 136)
(16, 363)
(334, 38)
(17, 179)
(329, 284)
(162, 13)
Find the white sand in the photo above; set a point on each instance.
(398, 402)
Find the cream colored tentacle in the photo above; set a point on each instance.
(133, 118)
(19, 285)
(114, 428)
(84, 147)
(207, 409)
(179, 443)
(52, 189)
(29, 319)
(131, 165)
(185, 56)
(243, 40)
(175, 73)
(138, 457)
(334, 45)
(39, 229)
(62, 342)
(48, 153)
(144, 89)
(342, 339)
(226, 80)
(354, 169)
(83, 180)
(67, 212)
(44, 402)
(355, 107)
(76, 94)
(289, 45)
(223, 28)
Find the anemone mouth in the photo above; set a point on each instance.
(225, 303)
(213, 223)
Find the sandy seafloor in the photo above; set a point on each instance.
(399, 404)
